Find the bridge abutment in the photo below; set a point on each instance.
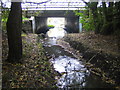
(41, 24)
(72, 24)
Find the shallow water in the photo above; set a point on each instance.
(73, 71)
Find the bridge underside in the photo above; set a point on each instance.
(71, 21)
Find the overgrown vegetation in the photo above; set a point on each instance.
(24, 19)
(86, 20)
(5, 13)
(103, 19)
(51, 26)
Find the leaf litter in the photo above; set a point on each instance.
(34, 71)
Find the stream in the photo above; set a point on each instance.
(73, 73)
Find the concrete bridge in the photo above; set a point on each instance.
(39, 23)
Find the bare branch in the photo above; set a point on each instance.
(39, 2)
(85, 2)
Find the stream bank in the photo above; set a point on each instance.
(73, 72)
(100, 53)
(34, 70)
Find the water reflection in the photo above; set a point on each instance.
(67, 64)
(56, 32)
(72, 79)
(74, 72)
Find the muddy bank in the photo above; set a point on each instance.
(100, 51)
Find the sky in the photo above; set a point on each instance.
(50, 4)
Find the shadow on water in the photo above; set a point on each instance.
(73, 72)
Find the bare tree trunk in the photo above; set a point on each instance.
(14, 27)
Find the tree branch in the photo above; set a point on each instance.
(39, 2)
(85, 2)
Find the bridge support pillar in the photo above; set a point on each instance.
(72, 24)
(41, 24)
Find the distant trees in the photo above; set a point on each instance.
(105, 18)
(111, 18)
(14, 27)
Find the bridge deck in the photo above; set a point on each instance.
(48, 4)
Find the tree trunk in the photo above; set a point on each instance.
(107, 27)
(93, 7)
(14, 27)
(117, 23)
